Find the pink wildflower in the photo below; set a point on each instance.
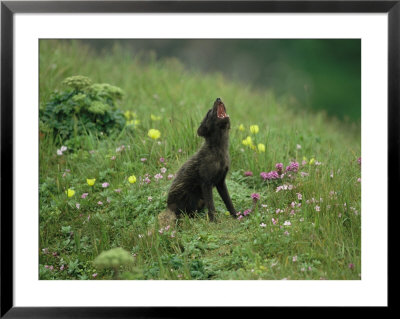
(240, 217)
(158, 176)
(100, 203)
(255, 197)
(246, 212)
(84, 195)
(163, 170)
(149, 198)
(162, 159)
(143, 159)
(263, 225)
(317, 208)
(94, 275)
(118, 190)
(279, 167)
(248, 173)
(105, 185)
(170, 176)
(293, 167)
(77, 205)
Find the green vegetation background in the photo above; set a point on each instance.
(320, 239)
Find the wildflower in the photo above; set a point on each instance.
(227, 213)
(140, 236)
(240, 217)
(312, 161)
(45, 251)
(248, 141)
(255, 197)
(105, 185)
(173, 234)
(84, 195)
(246, 212)
(70, 192)
(264, 205)
(108, 200)
(299, 196)
(287, 223)
(248, 173)
(90, 181)
(162, 159)
(180, 150)
(241, 127)
(317, 208)
(147, 180)
(118, 190)
(293, 167)
(100, 203)
(113, 158)
(254, 129)
(154, 134)
(294, 259)
(170, 176)
(132, 179)
(62, 267)
(77, 205)
(149, 198)
(143, 159)
(94, 275)
(120, 148)
(158, 176)
(351, 266)
(59, 153)
(270, 175)
(286, 233)
(63, 148)
(279, 168)
(359, 179)
(155, 118)
(261, 148)
(359, 161)
(298, 146)
(274, 221)
(263, 225)
(163, 170)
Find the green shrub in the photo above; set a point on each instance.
(83, 108)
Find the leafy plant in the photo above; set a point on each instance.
(83, 108)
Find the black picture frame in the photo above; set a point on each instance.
(9, 8)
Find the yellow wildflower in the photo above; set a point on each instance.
(261, 147)
(132, 179)
(155, 118)
(154, 134)
(241, 127)
(248, 141)
(254, 129)
(312, 161)
(70, 192)
(127, 115)
(90, 181)
(136, 122)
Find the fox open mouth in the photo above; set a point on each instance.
(221, 111)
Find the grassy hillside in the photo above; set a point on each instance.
(308, 229)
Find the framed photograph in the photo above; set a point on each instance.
(161, 155)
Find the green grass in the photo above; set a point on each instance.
(317, 245)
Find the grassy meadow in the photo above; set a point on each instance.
(306, 225)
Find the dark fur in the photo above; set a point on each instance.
(191, 189)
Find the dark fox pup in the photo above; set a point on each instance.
(191, 189)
